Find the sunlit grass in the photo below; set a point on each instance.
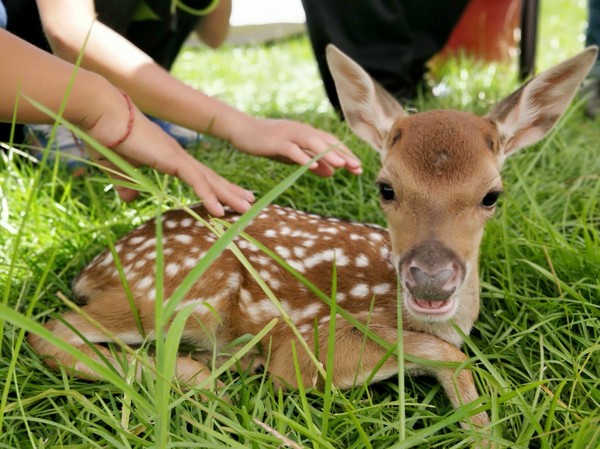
(538, 335)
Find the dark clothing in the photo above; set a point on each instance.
(391, 39)
(593, 32)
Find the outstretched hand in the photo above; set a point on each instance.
(148, 145)
(293, 142)
(283, 140)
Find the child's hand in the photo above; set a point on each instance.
(148, 145)
(294, 142)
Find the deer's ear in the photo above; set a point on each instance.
(528, 114)
(369, 109)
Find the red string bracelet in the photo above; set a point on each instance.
(129, 123)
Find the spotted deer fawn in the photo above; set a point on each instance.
(439, 182)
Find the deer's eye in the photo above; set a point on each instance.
(490, 199)
(386, 191)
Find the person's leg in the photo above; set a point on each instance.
(391, 39)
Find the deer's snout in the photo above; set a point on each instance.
(432, 272)
(437, 286)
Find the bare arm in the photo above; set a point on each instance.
(99, 108)
(156, 92)
(212, 29)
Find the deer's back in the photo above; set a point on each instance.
(228, 299)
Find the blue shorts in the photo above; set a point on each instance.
(2, 15)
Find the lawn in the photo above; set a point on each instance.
(535, 349)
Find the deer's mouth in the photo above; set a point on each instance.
(431, 309)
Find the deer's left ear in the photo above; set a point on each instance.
(528, 114)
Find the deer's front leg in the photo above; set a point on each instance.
(355, 358)
(457, 383)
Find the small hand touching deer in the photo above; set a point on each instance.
(439, 183)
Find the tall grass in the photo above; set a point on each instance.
(537, 340)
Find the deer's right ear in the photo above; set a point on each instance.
(369, 109)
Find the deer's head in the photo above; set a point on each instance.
(440, 176)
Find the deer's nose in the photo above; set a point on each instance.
(431, 271)
(432, 286)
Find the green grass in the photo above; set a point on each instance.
(537, 340)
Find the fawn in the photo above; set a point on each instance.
(439, 183)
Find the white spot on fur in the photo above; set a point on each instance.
(360, 291)
(283, 251)
(190, 262)
(186, 222)
(245, 296)
(204, 305)
(268, 277)
(306, 329)
(341, 260)
(317, 258)
(262, 310)
(260, 260)
(328, 230)
(381, 289)
(233, 281)
(376, 236)
(145, 283)
(329, 255)
(299, 252)
(184, 238)
(107, 260)
(137, 240)
(384, 252)
(147, 244)
(310, 311)
(265, 275)
(270, 233)
(172, 269)
(308, 243)
(362, 261)
(323, 321)
(296, 265)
